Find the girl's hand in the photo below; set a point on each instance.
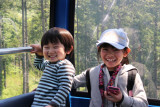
(37, 49)
(112, 97)
(49, 106)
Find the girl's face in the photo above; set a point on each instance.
(54, 52)
(112, 57)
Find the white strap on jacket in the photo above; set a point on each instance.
(108, 76)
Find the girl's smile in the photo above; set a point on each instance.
(111, 60)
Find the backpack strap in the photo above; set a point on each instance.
(88, 82)
(131, 79)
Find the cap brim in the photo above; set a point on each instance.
(116, 45)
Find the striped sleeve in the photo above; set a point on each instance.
(66, 73)
(39, 63)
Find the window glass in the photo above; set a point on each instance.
(139, 18)
(22, 22)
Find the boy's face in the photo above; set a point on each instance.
(112, 57)
(54, 52)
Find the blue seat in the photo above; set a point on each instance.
(79, 101)
(84, 102)
(153, 106)
(24, 100)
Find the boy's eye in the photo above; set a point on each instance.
(45, 47)
(55, 47)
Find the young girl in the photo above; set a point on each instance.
(113, 50)
(58, 72)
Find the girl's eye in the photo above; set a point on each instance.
(116, 49)
(105, 49)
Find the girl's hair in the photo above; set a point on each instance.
(125, 59)
(56, 35)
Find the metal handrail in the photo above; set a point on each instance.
(4, 51)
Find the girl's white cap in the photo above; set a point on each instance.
(115, 37)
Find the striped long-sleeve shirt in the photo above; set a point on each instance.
(55, 83)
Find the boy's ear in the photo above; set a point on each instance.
(68, 52)
(128, 50)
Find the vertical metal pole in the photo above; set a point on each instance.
(62, 15)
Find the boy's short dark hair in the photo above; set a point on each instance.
(56, 35)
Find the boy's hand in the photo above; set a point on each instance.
(36, 49)
(34, 89)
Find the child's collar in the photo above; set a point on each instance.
(54, 62)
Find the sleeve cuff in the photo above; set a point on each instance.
(38, 56)
(119, 103)
(127, 101)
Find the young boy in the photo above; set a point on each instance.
(58, 72)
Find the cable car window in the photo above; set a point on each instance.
(139, 18)
(22, 22)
